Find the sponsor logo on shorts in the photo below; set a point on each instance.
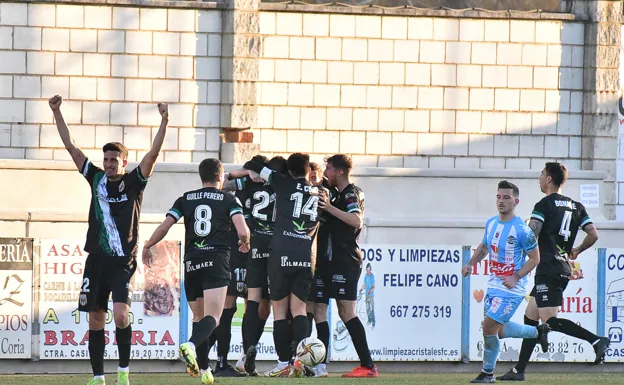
(342, 291)
(287, 263)
(256, 255)
(339, 278)
(190, 267)
(83, 299)
(496, 303)
(542, 288)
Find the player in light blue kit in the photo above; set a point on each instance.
(507, 241)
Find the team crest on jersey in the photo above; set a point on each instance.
(122, 186)
(511, 240)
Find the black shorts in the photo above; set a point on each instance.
(319, 292)
(257, 263)
(205, 271)
(238, 265)
(343, 282)
(102, 276)
(286, 276)
(548, 290)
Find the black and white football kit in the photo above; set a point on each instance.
(238, 260)
(111, 238)
(319, 292)
(207, 224)
(293, 245)
(562, 218)
(261, 222)
(346, 256)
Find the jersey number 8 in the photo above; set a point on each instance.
(203, 215)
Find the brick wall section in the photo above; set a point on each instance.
(111, 65)
(422, 92)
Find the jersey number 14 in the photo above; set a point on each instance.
(309, 208)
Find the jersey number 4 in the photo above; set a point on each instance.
(203, 215)
(310, 208)
(564, 230)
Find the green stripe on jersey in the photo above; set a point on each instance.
(537, 215)
(175, 213)
(585, 221)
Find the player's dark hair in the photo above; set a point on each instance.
(209, 170)
(505, 185)
(278, 164)
(314, 166)
(558, 172)
(298, 164)
(263, 160)
(341, 162)
(116, 146)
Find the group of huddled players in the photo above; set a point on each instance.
(293, 245)
(285, 235)
(279, 232)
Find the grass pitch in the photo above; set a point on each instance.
(384, 379)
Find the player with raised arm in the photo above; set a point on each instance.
(555, 221)
(208, 213)
(318, 300)
(291, 260)
(345, 221)
(116, 198)
(507, 241)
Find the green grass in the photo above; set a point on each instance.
(384, 379)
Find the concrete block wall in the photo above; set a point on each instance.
(421, 92)
(112, 65)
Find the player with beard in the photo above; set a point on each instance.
(556, 220)
(292, 256)
(116, 198)
(208, 214)
(507, 241)
(345, 221)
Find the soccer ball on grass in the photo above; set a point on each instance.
(311, 351)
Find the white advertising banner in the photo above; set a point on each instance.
(405, 290)
(266, 347)
(579, 305)
(16, 281)
(614, 302)
(154, 313)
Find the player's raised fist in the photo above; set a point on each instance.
(163, 108)
(55, 102)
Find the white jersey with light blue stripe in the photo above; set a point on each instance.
(507, 244)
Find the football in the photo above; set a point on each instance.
(311, 351)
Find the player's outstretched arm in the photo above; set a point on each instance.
(158, 235)
(243, 232)
(70, 144)
(589, 240)
(149, 160)
(478, 255)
